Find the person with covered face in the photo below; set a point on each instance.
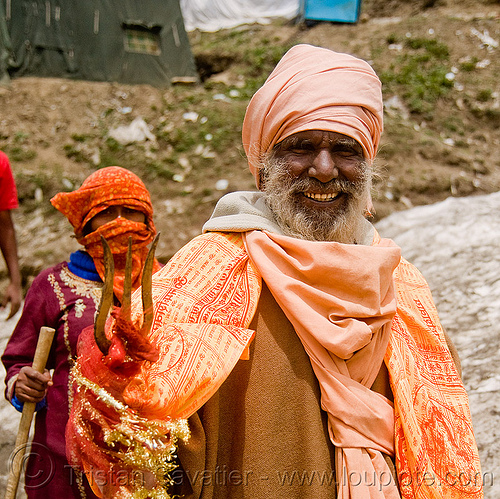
(305, 353)
(114, 203)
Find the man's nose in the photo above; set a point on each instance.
(323, 167)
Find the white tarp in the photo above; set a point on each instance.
(212, 15)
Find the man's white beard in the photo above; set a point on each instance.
(344, 224)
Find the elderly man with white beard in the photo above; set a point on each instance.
(304, 352)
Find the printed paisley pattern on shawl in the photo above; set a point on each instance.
(430, 400)
(436, 453)
(204, 300)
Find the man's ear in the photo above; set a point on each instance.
(369, 209)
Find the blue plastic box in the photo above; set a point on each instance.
(346, 11)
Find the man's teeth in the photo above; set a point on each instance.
(321, 197)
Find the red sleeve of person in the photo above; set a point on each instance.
(8, 192)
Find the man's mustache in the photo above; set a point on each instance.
(334, 185)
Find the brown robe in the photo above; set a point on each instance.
(263, 434)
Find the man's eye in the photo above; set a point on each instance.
(347, 152)
(301, 148)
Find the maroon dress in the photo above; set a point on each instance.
(60, 299)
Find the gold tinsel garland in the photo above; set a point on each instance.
(134, 443)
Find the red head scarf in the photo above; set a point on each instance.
(104, 188)
(314, 88)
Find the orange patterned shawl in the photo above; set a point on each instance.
(205, 298)
(436, 453)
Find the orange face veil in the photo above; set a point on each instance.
(104, 188)
(314, 88)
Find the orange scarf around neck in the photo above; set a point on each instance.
(341, 302)
(340, 299)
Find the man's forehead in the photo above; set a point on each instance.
(319, 136)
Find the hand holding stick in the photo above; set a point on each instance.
(39, 361)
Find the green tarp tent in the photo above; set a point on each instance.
(127, 41)
(4, 48)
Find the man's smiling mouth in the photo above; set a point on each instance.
(324, 198)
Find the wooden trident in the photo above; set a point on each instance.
(125, 310)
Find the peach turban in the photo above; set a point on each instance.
(314, 88)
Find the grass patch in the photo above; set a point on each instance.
(484, 95)
(419, 75)
(241, 50)
(20, 153)
(75, 153)
(156, 169)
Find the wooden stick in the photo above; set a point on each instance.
(39, 361)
